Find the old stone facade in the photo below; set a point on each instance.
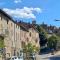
(29, 34)
(16, 34)
(11, 31)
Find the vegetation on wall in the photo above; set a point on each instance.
(1, 42)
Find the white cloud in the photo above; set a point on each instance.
(23, 13)
(17, 1)
(37, 10)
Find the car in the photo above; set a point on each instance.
(16, 58)
(20, 58)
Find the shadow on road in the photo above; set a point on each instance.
(52, 58)
(44, 51)
(55, 58)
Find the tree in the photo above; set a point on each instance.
(52, 42)
(31, 48)
(43, 39)
(42, 36)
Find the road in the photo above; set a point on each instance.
(48, 57)
(45, 56)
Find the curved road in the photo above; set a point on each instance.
(48, 57)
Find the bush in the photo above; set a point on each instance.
(52, 42)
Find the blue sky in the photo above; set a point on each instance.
(40, 10)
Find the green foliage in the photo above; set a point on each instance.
(52, 41)
(42, 30)
(1, 42)
(42, 35)
(31, 48)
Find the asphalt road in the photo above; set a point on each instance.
(49, 57)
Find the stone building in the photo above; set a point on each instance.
(11, 30)
(16, 34)
(29, 33)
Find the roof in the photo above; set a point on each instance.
(4, 13)
(27, 26)
(7, 15)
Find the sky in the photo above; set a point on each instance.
(27, 10)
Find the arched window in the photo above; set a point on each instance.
(30, 34)
(23, 44)
(27, 39)
(36, 40)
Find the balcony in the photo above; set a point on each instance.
(4, 32)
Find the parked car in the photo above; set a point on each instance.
(20, 58)
(16, 58)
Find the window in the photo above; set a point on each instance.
(1, 26)
(16, 25)
(12, 43)
(7, 21)
(0, 16)
(23, 44)
(11, 24)
(27, 39)
(12, 32)
(24, 35)
(5, 18)
(7, 32)
(16, 36)
(30, 34)
(36, 40)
